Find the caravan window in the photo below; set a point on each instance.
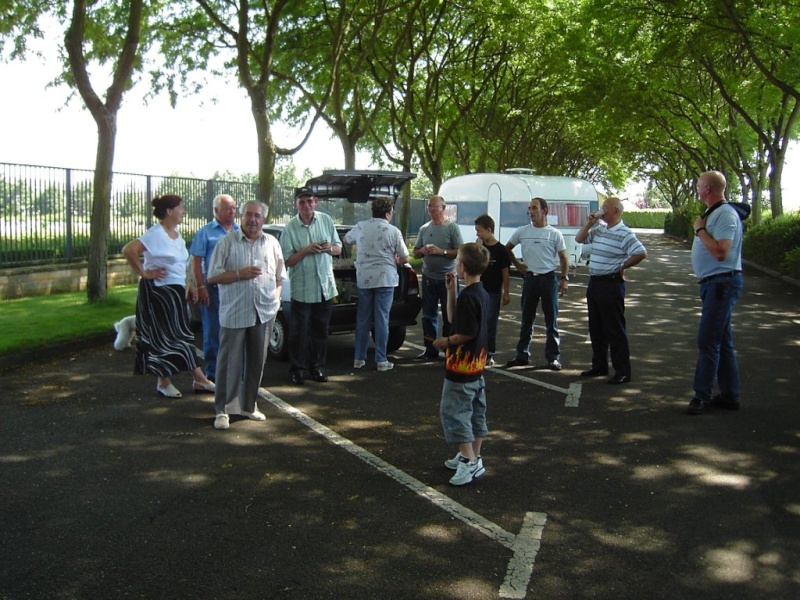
(465, 213)
(514, 214)
(567, 214)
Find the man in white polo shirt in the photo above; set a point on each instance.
(544, 253)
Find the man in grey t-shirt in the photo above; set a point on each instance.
(437, 244)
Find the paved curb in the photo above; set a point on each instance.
(768, 271)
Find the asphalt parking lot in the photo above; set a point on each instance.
(591, 491)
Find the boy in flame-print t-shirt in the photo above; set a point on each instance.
(463, 405)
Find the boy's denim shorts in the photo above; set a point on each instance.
(463, 411)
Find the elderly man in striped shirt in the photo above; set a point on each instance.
(248, 267)
(615, 248)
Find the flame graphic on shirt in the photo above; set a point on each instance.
(458, 361)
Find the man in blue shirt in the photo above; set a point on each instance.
(717, 262)
(203, 244)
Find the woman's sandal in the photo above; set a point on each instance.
(169, 391)
(201, 387)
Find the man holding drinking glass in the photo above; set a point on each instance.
(309, 242)
(247, 265)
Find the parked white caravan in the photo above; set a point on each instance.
(506, 197)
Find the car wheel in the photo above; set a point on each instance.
(397, 335)
(279, 342)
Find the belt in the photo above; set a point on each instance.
(718, 276)
(607, 277)
(529, 274)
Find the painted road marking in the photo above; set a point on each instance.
(572, 393)
(560, 331)
(524, 545)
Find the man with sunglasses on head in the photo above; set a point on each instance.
(437, 245)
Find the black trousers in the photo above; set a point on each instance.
(309, 330)
(605, 299)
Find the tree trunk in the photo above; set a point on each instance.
(96, 283)
(266, 155)
(775, 192)
(105, 116)
(349, 149)
(405, 198)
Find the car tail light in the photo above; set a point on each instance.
(412, 283)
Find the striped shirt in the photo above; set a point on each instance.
(241, 301)
(312, 278)
(611, 247)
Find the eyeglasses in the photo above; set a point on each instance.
(435, 205)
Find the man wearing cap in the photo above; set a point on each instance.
(437, 245)
(309, 242)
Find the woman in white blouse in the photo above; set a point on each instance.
(380, 249)
(164, 339)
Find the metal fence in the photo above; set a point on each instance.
(45, 212)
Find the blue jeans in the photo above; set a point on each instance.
(309, 331)
(434, 294)
(210, 317)
(374, 305)
(716, 360)
(495, 300)
(535, 288)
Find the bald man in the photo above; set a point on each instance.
(717, 262)
(615, 249)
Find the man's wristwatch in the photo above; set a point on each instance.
(565, 278)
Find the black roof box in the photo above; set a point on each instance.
(358, 186)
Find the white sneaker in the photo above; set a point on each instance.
(452, 463)
(467, 471)
(385, 366)
(358, 364)
(256, 415)
(221, 421)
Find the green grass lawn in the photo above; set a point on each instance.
(29, 323)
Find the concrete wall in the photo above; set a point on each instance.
(53, 279)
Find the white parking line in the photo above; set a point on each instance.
(572, 394)
(560, 331)
(525, 545)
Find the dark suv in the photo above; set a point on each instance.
(353, 186)
(405, 306)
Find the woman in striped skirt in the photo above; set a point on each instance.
(164, 339)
